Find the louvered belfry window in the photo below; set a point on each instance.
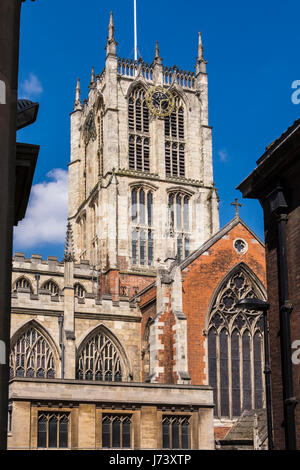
(174, 141)
(99, 360)
(235, 349)
(138, 123)
(142, 226)
(32, 356)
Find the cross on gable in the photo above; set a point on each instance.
(237, 205)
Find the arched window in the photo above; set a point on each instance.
(179, 222)
(52, 287)
(22, 283)
(138, 123)
(142, 226)
(99, 359)
(174, 141)
(235, 349)
(100, 139)
(32, 356)
(79, 290)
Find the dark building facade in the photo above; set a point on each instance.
(275, 183)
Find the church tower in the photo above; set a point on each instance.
(141, 187)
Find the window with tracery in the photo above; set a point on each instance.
(142, 226)
(236, 349)
(79, 290)
(179, 222)
(99, 359)
(23, 283)
(176, 432)
(53, 430)
(32, 356)
(82, 235)
(52, 287)
(174, 141)
(139, 137)
(116, 431)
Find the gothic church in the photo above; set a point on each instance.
(134, 340)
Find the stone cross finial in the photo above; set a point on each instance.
(69, 247)
(237, 205)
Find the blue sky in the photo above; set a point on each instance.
(253, 59)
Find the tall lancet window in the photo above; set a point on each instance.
(142, 226)
(235, 348)
(174, 141)
(179, 221)
(139, 139)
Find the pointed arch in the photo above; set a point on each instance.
(235, 344)
(51, 286)
(33, 352)
(139, 82)
(101, 356)
(22, 282)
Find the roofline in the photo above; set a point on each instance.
(217, 236)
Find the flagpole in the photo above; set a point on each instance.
(135, 32)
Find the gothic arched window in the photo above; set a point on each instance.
(32, 356)
(235, 348)
(174, 141)
(99, 359)
(79, 290)
(138, 123)
(22, 283)
(52, 287)
(179, 222)
(142, 226)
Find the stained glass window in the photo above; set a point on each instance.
(99, 360)
(237, 385)
(32, 356)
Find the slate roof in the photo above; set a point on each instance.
(243, 428)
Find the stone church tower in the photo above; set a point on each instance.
(141, 187)
(121, 343)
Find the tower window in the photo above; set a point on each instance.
(179, 223)
(138, 123)
(142, 226)
(174, 141)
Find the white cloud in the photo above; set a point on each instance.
(47, 212)
(223, 155)
(31, 88)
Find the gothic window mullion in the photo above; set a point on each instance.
(229, 375)
(252, 369)
(218, 374)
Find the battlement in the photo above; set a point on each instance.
(131, 69)
(37, 264)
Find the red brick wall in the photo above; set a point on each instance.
(202, 277)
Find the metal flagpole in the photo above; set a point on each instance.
(135, 32)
